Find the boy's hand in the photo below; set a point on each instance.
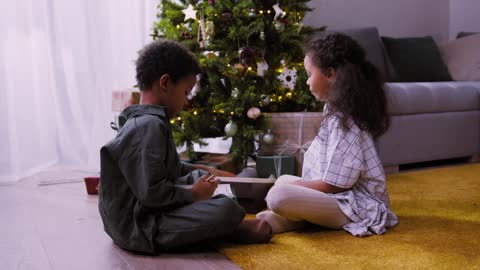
(214, 171)
(203, 190)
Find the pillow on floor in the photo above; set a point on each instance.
(416, 59)
(462, 57)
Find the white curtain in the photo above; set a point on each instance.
(59, 62)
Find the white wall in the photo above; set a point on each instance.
(464, 16)
(396, 18)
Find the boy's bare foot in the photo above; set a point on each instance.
(252, 231)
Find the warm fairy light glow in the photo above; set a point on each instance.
(172, 121)
(249, 68)
(195, 113)
(179, 118)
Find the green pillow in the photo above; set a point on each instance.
(416, 59)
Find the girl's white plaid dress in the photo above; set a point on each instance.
(348, 159)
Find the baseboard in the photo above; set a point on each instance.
(391, 169)
(474, 158)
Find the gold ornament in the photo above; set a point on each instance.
(240, 68)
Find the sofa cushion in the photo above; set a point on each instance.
(369, 39)
(416, 59)
(462, 57)
(371, 42)
(434, 97)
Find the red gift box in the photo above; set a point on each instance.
(91, 183)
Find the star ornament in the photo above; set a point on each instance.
(190, 13)
(278, 11)
(288, 78)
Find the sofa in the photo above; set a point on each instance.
(431, 121)
(433, 95)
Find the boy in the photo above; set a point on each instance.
(141, 207)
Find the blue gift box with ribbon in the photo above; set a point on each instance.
(276, 166)
(293, 134)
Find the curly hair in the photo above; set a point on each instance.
(358, 89)
(164, 57)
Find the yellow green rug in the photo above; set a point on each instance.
(439, 229)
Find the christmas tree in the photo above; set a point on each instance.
(252, 55)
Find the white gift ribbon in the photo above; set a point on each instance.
(287, 148)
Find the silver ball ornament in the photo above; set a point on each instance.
(230, 129)
(265, 99)
(268, 138)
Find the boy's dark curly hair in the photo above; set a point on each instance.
(164, 57)
(357, 91)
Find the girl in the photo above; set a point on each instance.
(343, 182)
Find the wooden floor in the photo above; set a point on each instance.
(59, 227)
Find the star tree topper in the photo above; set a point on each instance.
(190, 13)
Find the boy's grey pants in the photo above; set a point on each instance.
(209, 219)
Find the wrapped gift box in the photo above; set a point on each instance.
(293, 133)
(218, 161)
(91, 183)
(250, 192)
(276, 166)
